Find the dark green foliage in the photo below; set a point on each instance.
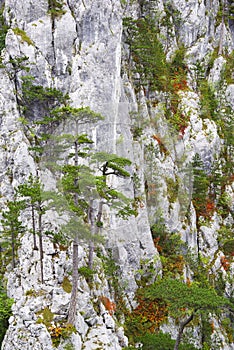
(19, 64)
(170, 247)
(229, 68)
(3, 29)
(5, 312)
(32, 191)
(172, 189)
(200, 186)
(177, 63)
(56, 8)
(12, 228)
(208, 100)
(183, 302)
(112, 164)
(40, 118)
(148, 60)
(147, 52)
(82, 115)
(225, 11)
(112, 273)
(172, 12)
(75, 181)
(226, 240)
(142, 36)
(159, 341)
(115, 199)
(36, 96)
(86, 272)
(184, 299)
(58, 238)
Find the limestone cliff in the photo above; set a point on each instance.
(162, 113)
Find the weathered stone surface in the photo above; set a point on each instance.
(80, 52)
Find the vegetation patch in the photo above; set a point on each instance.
(58, 330)
(46, 317)
(159, 341)
(151, 72)
(86, 272)
(23, 35)
(5, 312)
(66, 284)
(56, 8)
(3, 30)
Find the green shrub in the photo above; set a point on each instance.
(147, 52)
(3, 29)
(5, 312)
(46, 317)
(86, 272)
(39, 100)
(208, 100)
(56, 8)
(23, 35)
(160, 341)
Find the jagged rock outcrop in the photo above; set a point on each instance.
(81, 50)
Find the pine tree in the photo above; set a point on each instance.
(184, 302)
(82, 189)
(32, 192)
(147, 52)
(12, 228)
(109, 164)
(200, 186)
(76, 177)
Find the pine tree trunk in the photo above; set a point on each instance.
(73, 302)
(34, 229)
(13, 248)
(222, 29)
(181, 330)
(40, 244)
(92, 228)
(75, 275)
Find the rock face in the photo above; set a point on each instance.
(80, 49)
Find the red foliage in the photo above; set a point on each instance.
(182, 129)
(179, 83)
(207, 208)
(210, 206)
(157, 138)
(109, 305)
(157, 245)
(224, 262)
(151, 312)
(212, 327)
(162, 147)
(231, 178)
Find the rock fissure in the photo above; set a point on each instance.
(161, 75)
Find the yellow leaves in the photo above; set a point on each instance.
(60, 331)
(55, 331)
